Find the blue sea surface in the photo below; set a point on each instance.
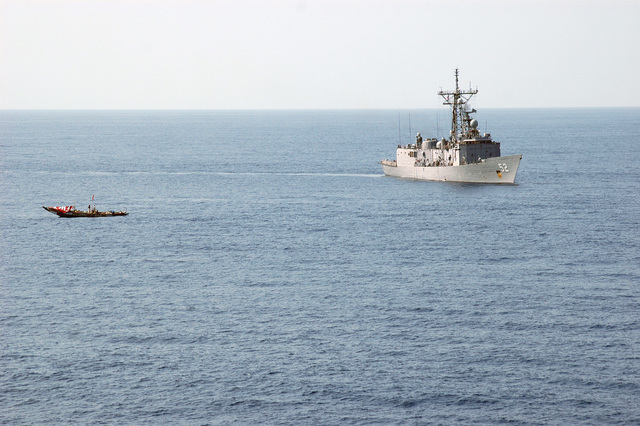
(268, 273)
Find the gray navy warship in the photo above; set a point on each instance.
(467, 156)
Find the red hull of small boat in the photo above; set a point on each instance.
(80, 213)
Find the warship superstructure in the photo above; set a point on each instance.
(467, 156)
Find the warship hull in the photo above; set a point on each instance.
(498, 170)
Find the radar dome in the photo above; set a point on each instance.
(473, 123)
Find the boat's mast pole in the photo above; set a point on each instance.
(457, 103)
(454, 118)
(454, 108)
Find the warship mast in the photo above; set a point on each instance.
(460, 119)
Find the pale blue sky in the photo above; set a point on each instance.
(155, 54)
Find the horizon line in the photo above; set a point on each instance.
(309, 109)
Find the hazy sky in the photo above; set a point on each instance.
(317, 53)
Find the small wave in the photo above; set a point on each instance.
(476, 399)
(368, 175)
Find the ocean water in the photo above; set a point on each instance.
(269, 274)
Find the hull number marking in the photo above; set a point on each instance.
(503, 167)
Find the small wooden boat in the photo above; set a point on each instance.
(70, 211)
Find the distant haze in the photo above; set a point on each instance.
(280, 54)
